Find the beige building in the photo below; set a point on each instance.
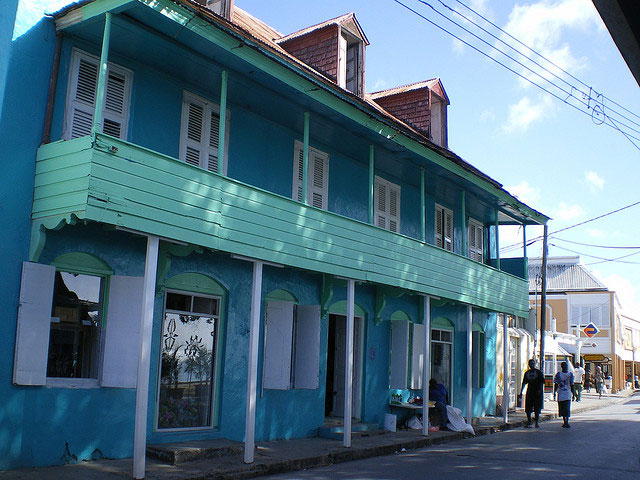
(575, 300)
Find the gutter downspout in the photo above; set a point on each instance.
(53, 84)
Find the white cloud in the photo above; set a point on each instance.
(595, 181)
(628, 294)
(525, 192)
(526, 112)
(568, 212)
(487, 116)
(594, 233)
(542, 27)
(379, 84)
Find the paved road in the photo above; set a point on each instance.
(602, 444)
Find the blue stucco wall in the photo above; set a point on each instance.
(21, 121)
(7, 19)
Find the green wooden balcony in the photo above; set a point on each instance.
(118, 183)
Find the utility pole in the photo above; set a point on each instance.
(543, 299)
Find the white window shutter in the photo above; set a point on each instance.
(399, 354)
(83, 86)
(298, 161)
(476, 241)
(317, 176)
(200, 132)
(448, 230)
(417, 355)
(439, 227)
(278, 338)
(307, 352)
(319, 179)
(394, 208)
(122, 333)
(34, 324)
(381, 204)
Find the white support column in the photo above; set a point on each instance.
(142, 384)
(426, 364)
(348, 364)
(505, 350)
(252, 361)
(469, 364)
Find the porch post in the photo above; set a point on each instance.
(222, 128)
(524, 251)
(463, 223)
(469, 364)
(505, 375)
(497, 243)
(305, 158)
(348, 364)
(423, 209)
(252, 361)
(142, 383)
(426, 364)
(102, 75)
(371, 183)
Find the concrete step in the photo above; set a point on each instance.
(177, 453)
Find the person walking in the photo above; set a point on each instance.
(578, 375)
(598, 378)
(562, 386)
(534, 380)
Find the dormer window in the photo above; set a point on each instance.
(350, 63)
(221, 7)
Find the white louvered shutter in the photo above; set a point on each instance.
(387, 204)
(448, 230)
(439, 227)
(278, 344)
(200, 133)
(444, 228)
(319, 165)
(82, 93)
(317, 176)
(476, 241)
(381, 205)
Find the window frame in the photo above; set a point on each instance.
(87, 382)
(209, 108)
(215, 380)
(386, 217)
(71, 104)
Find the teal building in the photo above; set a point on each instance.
(215, 232)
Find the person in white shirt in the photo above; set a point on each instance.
(578, 375)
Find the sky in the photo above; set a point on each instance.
(551, 150)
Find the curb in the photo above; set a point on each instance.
(355, 453)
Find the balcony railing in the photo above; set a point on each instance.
(118, 183)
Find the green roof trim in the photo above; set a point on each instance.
(340, 308)
(442, 323)
(282, 295)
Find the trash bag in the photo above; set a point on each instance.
(456, 421)
(414, 423)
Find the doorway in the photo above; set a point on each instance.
(336, 361)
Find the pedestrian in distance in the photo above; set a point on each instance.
(534, 380)
(636, 382)
(562, 387)
(578, 375)
(598, 378)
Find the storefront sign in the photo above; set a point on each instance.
(590, 330)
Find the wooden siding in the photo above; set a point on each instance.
(122, 184)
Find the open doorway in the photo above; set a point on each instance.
(336, 360)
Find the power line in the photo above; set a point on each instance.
(595, 113)
(546, 59)
(617, 259)
(537, 239)
(597, 246)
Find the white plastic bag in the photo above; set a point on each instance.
(414, 423)
(456, 421)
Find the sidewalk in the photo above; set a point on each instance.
(292, 455)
